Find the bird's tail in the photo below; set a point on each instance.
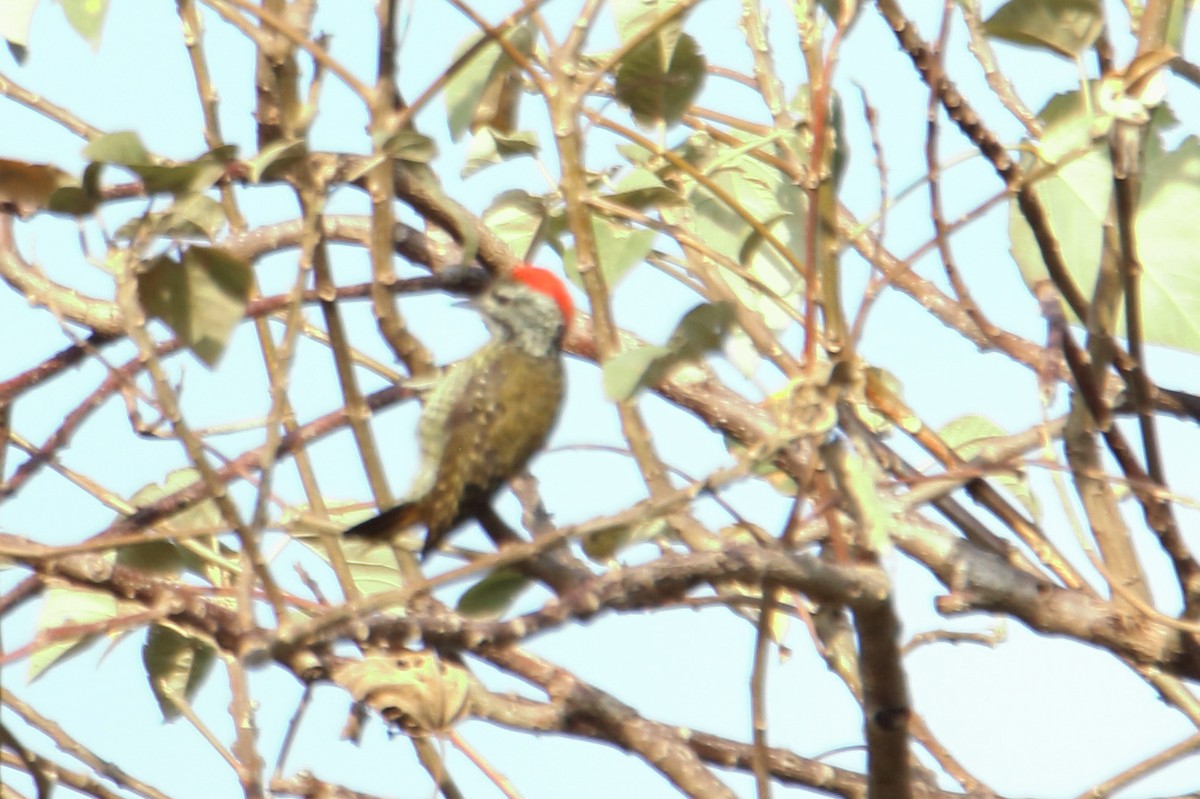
(387, 524)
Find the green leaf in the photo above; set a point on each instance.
(1169, 245)
(372, 564)
(123, 147)
(188, 177)
(518, 218)
(201, 299)
(619, 248)
(279, 152)
(177, 179)
(641, 188)
(167, 558)
(1069, 128)
(966, 435)
(68, 607)
(654, 93)
(494, 594)
(71, 200)
(766, 195)
(628, 371)
(499, 105)
(634, 16)
(79, 200)
(701, 330)
(1075, 194)
(410, 146)
(193, 216)
(176, 665)
(86, 17)
(467, 88)
(489, 146)
(1065, 27)
(602, 545)
(637, 155)
(155, 557)
(969, 435)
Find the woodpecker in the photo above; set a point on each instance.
(490, 412)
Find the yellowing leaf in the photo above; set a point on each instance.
(419, 691)
(27, 188)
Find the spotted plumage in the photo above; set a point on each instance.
(490, 412)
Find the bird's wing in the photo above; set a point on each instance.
(436, 415)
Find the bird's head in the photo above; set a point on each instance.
(530, 306)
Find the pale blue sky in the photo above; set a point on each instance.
(1036, 716)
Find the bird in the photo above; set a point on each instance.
(489, 413)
